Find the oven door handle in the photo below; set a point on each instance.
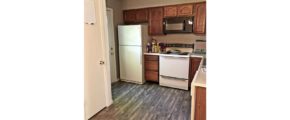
(173, 56)
(173, 77)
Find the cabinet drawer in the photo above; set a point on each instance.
(151, 58)
(173, 82)
(151, 65)
(151, 76)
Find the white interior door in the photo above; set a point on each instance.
(95, 86)
(131, 63)
(111, 37)
(95, 99)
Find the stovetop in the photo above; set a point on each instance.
(177, 53)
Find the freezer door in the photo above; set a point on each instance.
(131, 63)
(130, 35)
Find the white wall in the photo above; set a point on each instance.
(133, 4)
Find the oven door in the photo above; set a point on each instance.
(174, 67)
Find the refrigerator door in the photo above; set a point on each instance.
(131, 63)
(130, 35)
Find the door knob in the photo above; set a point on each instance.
(102, 62)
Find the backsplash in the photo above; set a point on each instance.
(179, 45)
(179, 38)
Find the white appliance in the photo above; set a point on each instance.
(174, 71)
(132, 38)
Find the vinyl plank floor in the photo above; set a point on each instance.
(146, 102)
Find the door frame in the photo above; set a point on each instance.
(112, 11)
(102, 10)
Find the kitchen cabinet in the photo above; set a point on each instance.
(129, 16)
(135, 16)
(178, 10)
(170, 11)
(185, 10)
(200, 103)
(151, 63)
(142, 15)
(200, 18)
(194, 65)
(156, 21)
(154, 16)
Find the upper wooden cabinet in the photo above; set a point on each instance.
(156, 21)
(135, 16)
(154, 16)
(129, 16)
(142, 15)
(185, 10)
(178, 10)
(170, 11)
(200, 18)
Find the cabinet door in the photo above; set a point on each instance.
(200, 104)
(194, 64)
(129, 16)
(156, 21)
(141, 15)
(151, 58)
(152, 76)
(200, 17)
(185, 10)
(170, 11)
(151, 65)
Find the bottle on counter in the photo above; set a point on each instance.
(148, 48)
(154, 46)
(157, 48)
(162, 47)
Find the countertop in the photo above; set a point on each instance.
(190, 55)
(199, 79)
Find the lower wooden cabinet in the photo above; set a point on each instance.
(194, 64)
(151, 68)
(151, 65)
(152, 76)
(200, 104)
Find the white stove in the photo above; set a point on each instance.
(174, 70)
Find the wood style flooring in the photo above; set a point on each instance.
(146, 102)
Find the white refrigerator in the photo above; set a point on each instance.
(132, 41)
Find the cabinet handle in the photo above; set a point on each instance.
(173, 77)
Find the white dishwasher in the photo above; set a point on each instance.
(174, 71)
